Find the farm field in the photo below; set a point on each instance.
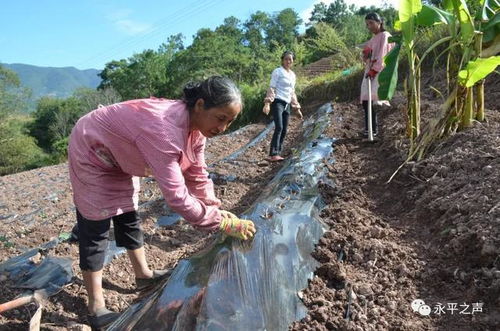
(432, 233)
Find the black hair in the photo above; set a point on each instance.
(285, 53)
(216, 91)
(377, 18)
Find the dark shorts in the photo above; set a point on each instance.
(93, 237)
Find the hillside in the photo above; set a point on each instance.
(57, 82)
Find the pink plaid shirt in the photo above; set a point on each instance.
(112, 146)
(380, 47)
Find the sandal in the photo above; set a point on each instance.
(102, 318)
(144, 283)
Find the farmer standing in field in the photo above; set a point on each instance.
(373, 56)
(111, 147)
(280, 96)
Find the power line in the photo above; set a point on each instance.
(160, 27)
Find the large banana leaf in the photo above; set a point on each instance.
(477, 70)
(430, 15)
(465, 19)
(491, 29)
(388, 77)
(407, 11)
(488, 10)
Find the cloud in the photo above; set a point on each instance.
(122, 22)
(131, 27)
(119, 14)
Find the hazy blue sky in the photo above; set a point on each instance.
(89, 33)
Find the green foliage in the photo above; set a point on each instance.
(353, 31)
(60, 148)
(253, 96)
(283, 27)
(327, 42)
(388, 13)
(13, 97)
(334, 86)
(91, 99)
(18, 151)
(489, 9)
(335, 14)
(430, 15)
(388, 78)
(255, 32)
(477, 70)
(45, 117)
(140, 76)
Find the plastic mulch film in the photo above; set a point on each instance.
(22, 264)
(168, 220)
(253, 142)
(19, 265)
(250, 285)
(52, 274)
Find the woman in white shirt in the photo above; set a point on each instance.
(280, 97)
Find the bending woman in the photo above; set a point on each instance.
(111, 147)
(280, 96)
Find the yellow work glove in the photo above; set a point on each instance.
(235, 227)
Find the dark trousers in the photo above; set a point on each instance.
(374, 117)
(93, 237)
(281, 114)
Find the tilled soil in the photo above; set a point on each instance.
(432, 233)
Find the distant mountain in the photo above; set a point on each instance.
(56, 82)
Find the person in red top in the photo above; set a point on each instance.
(111, 147)
(374, 52)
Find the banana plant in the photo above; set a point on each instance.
(465, 71)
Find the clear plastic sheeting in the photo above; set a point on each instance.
(112, 251)
(253, 142)
(250, 285)
(168, 220)
(222, 178)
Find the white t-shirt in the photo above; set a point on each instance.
(283, 83)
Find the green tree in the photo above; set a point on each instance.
(54, 119)
(13, 97)
(90, 99)
(18, 151)
(327, 42)
(335, 14)
(204, 57)
(255, 31)
(283, 28)
(144, 74)
(116, 75)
